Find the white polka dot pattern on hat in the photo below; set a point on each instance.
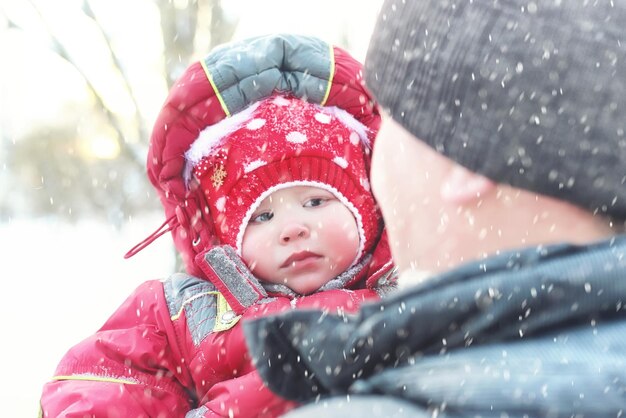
(202, 167)
(255, 124)
(281, 143)
(296, 137)
(280, 101)
(322, 118)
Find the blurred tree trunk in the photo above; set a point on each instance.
(178, 26)
(191, 27)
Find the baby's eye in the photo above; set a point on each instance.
(314, 202)
(262, 217)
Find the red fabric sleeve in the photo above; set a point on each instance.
(244, 397)
(130, 367)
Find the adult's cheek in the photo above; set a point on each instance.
(391, 183)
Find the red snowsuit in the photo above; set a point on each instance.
(175, 348)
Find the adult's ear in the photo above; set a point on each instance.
(461, 186)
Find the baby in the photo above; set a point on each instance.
(286, 182)
(270, 207)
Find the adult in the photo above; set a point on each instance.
(500, 170)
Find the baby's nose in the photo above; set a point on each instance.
(294, 231)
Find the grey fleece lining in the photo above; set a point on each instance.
(197, 413)
(235, 275)
(338, 282)
(198, 298)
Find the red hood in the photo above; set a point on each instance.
(203, 96)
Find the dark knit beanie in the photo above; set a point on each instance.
(527, 93)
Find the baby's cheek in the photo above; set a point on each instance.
(346, 233)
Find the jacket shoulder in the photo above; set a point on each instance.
(203, 306)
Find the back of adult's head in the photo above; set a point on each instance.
(527, 93)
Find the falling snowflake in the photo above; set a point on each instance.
(220, 203)
(251, 166)
(341, 162)
(365, 183)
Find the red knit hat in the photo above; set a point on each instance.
(277, 143)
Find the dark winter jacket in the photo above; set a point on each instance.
(535, 333)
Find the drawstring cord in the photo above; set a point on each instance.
(152, 237)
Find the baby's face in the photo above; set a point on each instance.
(302, 237)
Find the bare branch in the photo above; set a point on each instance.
(135, 154)
(142, 133)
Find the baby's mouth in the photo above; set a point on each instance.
(298, 257)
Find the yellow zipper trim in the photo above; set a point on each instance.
(95, 379)
(222, 308)
(217, 92)
(332, 75)
(182, 308)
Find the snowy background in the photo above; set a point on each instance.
(61, 282)
(63, 278)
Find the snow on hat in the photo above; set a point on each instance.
(277, 143)
(532, 94)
